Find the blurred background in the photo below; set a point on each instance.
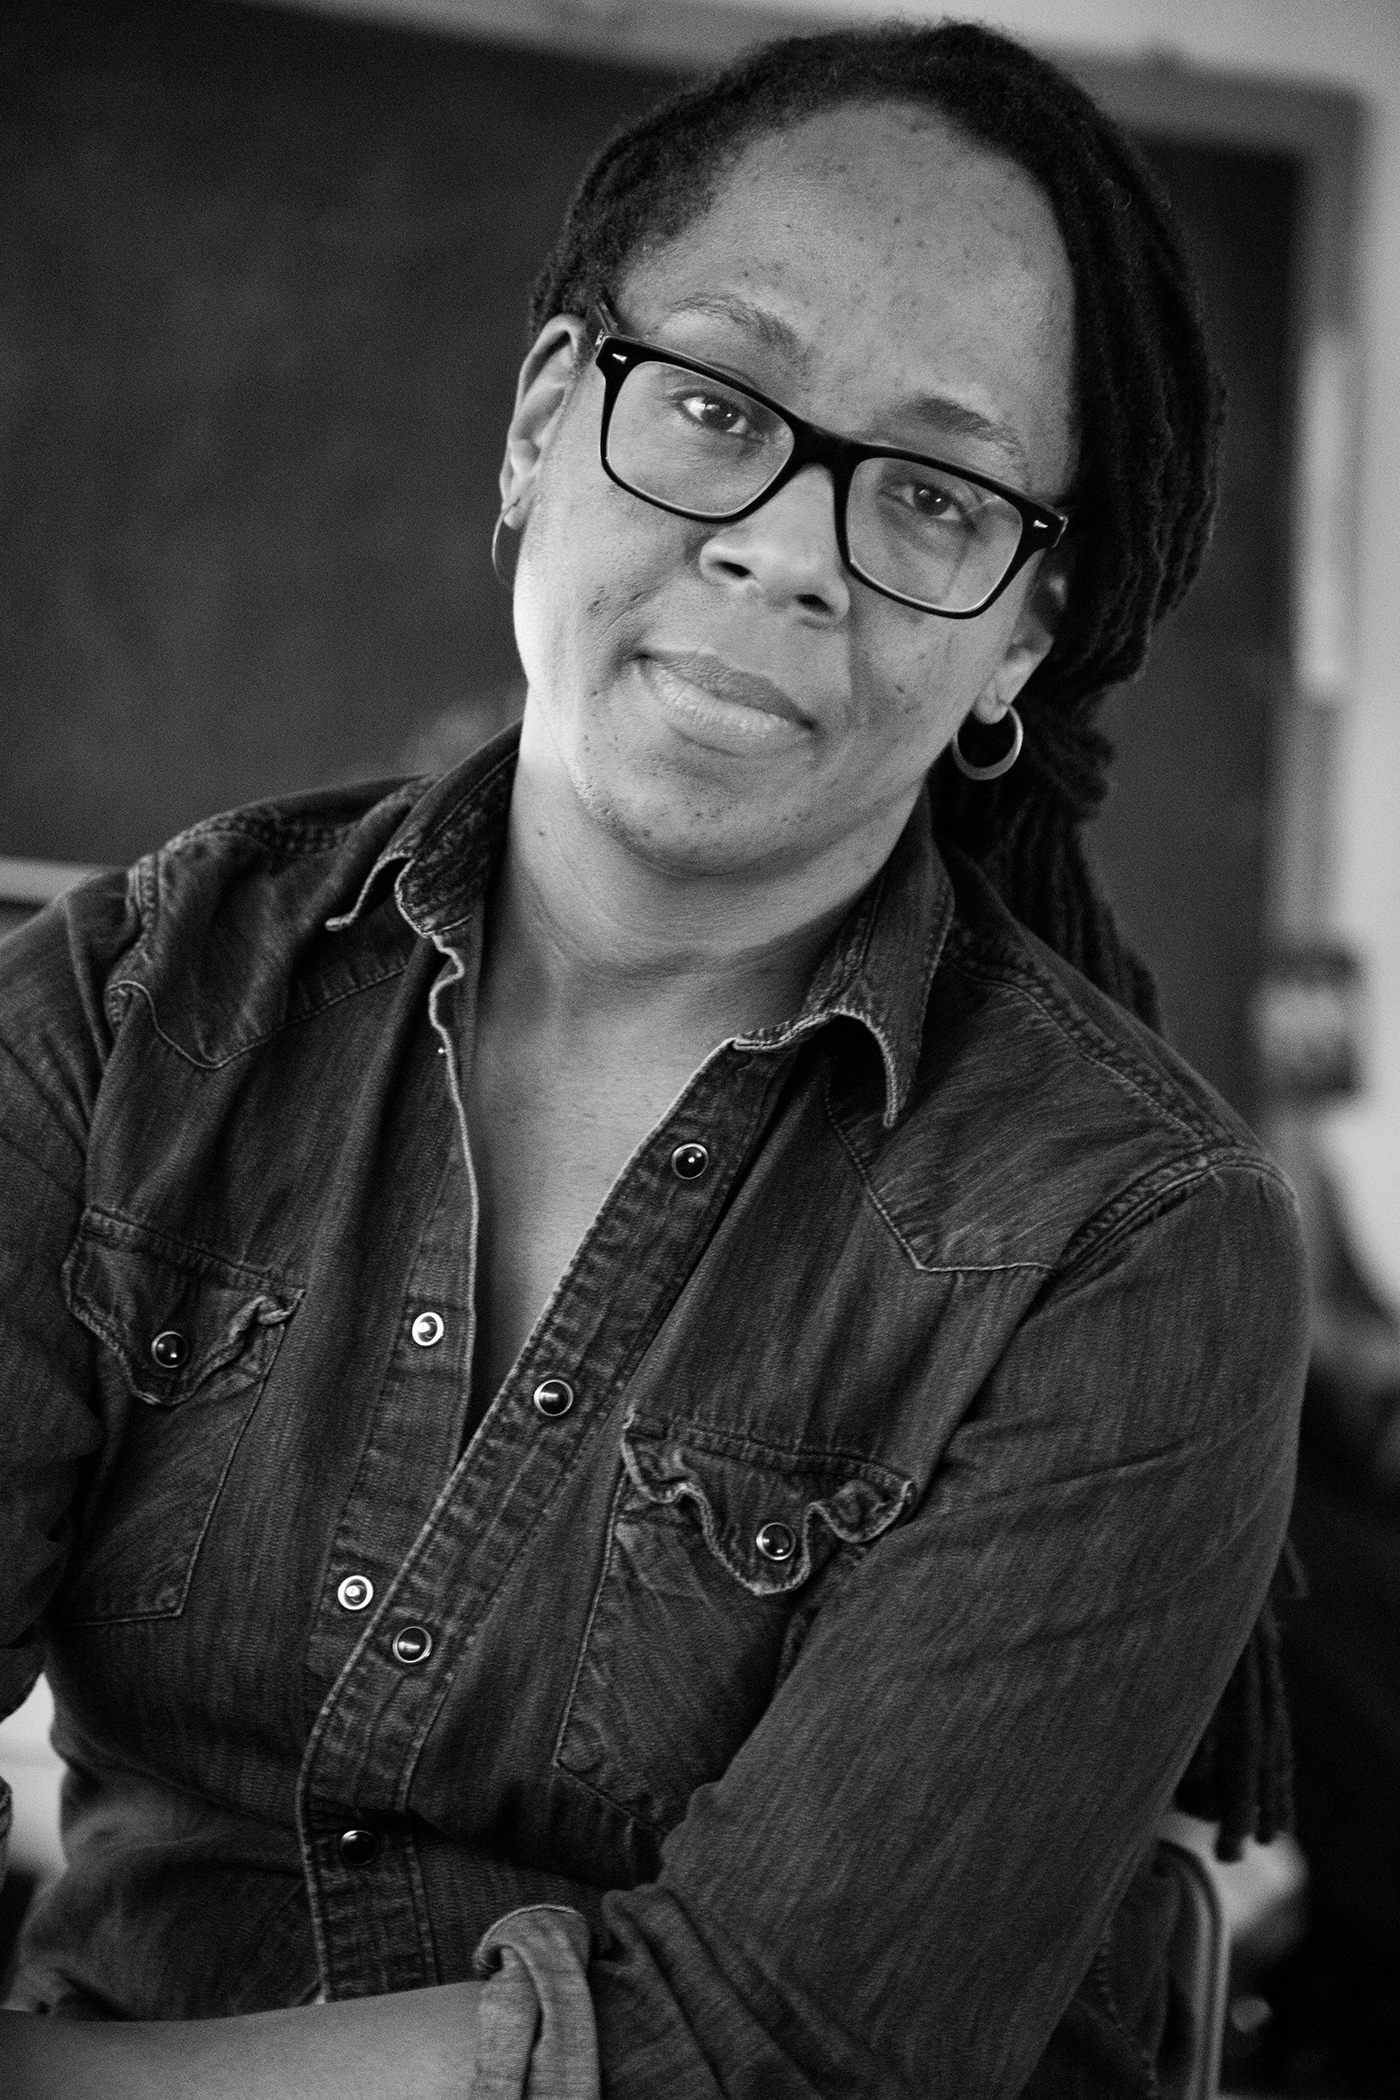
(263, 274)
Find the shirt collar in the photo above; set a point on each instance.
(876, 971)
(881, 961)
(442, 856)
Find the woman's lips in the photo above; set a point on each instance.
(720, 703)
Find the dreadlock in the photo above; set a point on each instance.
(1149, 412)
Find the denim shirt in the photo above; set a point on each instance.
(777, 1689)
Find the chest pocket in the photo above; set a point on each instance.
(187, 1344)
(713, 1548)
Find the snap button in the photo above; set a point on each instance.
(553, 1397)
(428, 1330)
(358, 1848)
(776, 1541)
(688, 1162)
(355, 1592)
(170, 1351)
(413, 1644)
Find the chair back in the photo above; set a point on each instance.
(1198, 1965)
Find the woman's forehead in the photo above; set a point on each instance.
(882, 257)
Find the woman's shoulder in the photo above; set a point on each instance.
(999, 979)
(1044, 1114)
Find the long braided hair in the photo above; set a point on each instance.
(1149, 412)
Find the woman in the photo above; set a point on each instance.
(647, 1418)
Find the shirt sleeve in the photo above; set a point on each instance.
(902, 1878)
(535, 2036)
(53, 1043)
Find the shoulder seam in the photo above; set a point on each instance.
(1154, 1190)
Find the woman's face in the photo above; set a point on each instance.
(876, 273)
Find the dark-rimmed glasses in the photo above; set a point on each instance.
(688, 438)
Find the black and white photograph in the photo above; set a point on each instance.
(699, 1050)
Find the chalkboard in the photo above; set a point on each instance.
(261, 314)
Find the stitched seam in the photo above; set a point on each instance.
(1100, 1231)
(207, 1258)
(144, 876)
(205, 1064)
(297, 839)
(987, 1268)
(933, 944)
(146, 886)
(423, 1545)
(558, 1755)
(1105, 1989)
(254, 1387)
(740, 1445)
(177, 1610)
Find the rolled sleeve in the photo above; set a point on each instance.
(536, 2038)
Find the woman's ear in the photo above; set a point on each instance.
(546, 381)
(1031, 637)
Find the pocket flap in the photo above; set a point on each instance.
(769, 1515)
(173, 1316)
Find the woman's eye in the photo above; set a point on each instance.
(929, 501)
(716, 412)
(934, 499)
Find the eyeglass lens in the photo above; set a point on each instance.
(689, 441)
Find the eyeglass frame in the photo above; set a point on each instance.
(617, 355)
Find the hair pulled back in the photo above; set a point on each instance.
(1148, 408)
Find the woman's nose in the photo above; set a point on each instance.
(786, 549)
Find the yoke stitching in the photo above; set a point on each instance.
(209, 1257)
(1088, 1242)
(218, 1064)
(921, 1268)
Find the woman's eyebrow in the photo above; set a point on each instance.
(960, 420)
(770, 330)
(944, 411)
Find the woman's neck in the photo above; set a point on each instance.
(590, 934)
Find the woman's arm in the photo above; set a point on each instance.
(901, 1880)
(413, 2045)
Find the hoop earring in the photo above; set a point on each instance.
(504, 524)
(999, 765)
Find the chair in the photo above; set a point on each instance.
(1198, 1962)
